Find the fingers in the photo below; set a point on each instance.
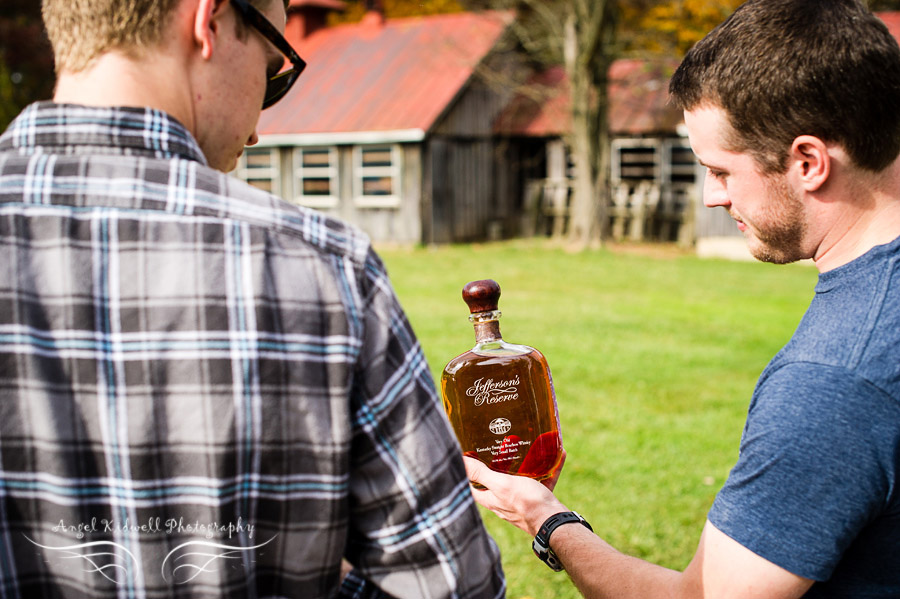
(521, 501)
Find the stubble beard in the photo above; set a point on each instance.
(782, 230)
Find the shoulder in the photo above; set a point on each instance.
(853, 323)
(234, 199)
(821, 401)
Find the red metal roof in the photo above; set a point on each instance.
(639, 97)
(402, 74)
(375, 75)
(542, 110)
(329, 4)
(638, 101)
(892, 20)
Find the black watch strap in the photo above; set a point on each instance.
(541, 543)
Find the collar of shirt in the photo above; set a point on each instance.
(51, 127)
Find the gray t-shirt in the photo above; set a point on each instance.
(815, 487)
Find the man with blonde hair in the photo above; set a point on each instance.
(204, 391)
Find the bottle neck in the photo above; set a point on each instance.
(487, 326)
(485, 332)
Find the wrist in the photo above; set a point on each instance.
(540, 516)
(541, 543)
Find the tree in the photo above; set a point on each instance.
(581, 35)
(670, 27)
(26, 59)
(587, 37)
(884, 5)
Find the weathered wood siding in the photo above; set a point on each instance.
(473, 186)
(400, 222)
(395, 224)
(461, 189)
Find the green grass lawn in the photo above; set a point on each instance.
(654, 358)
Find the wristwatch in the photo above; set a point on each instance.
(541, 544)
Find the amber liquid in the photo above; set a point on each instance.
(501, 404)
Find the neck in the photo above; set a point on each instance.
(866, 217)
(117, 79)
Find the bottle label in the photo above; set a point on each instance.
(504, 451)
(492, 392)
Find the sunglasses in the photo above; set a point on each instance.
(278, 84)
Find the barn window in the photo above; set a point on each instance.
(258, 166)
(376, 176)
(681, 162)
(316, 176)
(635, 160)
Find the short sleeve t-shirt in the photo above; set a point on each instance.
(815, 487)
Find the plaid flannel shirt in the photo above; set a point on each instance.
(205, 391)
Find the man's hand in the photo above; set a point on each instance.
(721, 567)
(519, 500)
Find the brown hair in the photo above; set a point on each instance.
(785, 68)
(82, 30)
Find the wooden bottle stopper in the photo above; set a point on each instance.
(481, 296)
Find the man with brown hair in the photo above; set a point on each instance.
(792, 105)
(204, 391)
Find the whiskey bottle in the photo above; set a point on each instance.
(499, 396)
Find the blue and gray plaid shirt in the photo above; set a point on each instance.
(205, 391)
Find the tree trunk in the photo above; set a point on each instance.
(589, 32)
(584, 221)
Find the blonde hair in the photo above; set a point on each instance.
(82, 30)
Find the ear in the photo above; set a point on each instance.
(206, 25)
(811, 162)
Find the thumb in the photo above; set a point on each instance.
(484, 482)
(477, 472)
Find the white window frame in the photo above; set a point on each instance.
(631, 143)
(272, 173)
(360, 172)
(330, 172)
(670, 169)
